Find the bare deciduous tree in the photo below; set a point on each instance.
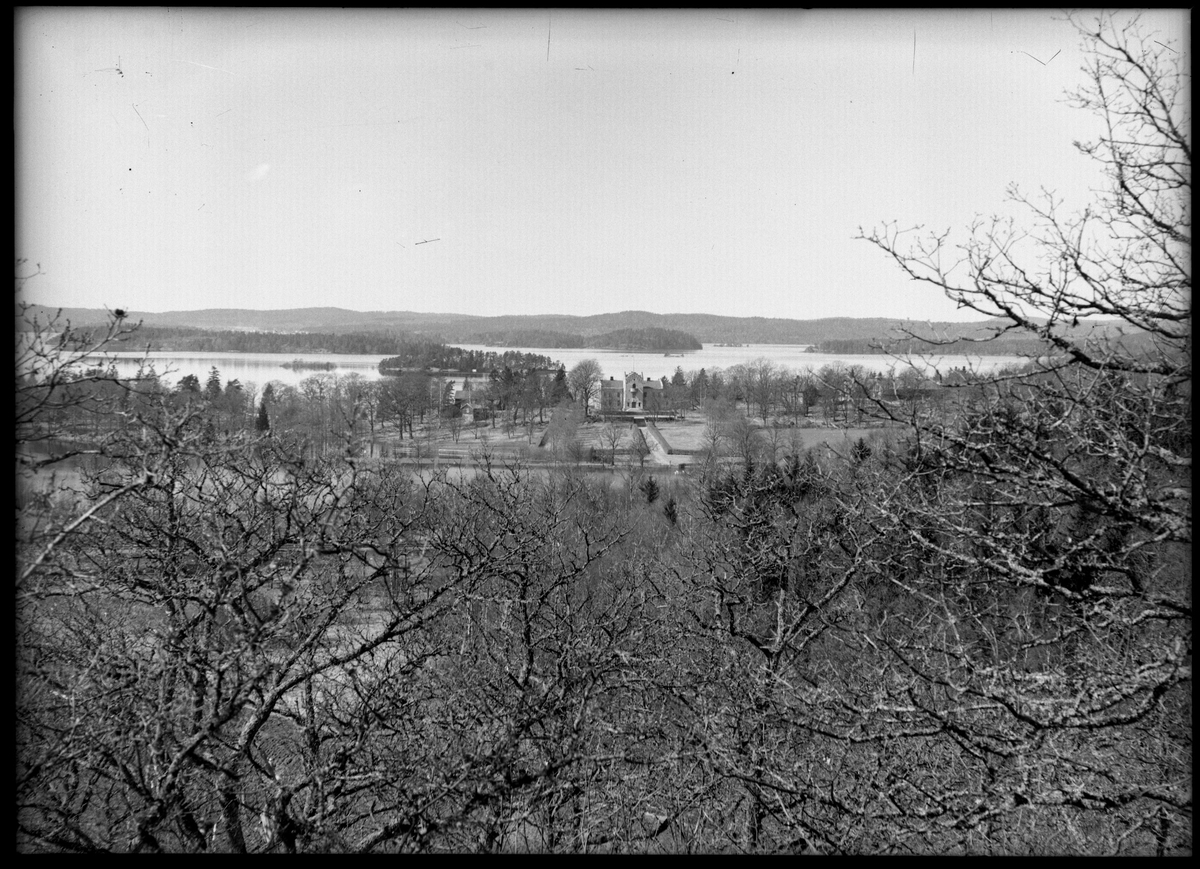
(583, 380)
(1051, 508)
(611, 436)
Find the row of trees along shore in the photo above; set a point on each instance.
(970, 636)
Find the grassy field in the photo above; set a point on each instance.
(686, 438)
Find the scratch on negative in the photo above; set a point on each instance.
(140, 118)
(206, 66)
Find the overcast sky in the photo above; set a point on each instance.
(512, 162)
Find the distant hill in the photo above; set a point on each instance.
(540, 330)
(469, 329)
(633, 340)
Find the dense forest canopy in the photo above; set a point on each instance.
(433, 354)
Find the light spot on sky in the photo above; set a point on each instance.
(258, 173)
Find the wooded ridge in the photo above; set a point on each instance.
(667, 332)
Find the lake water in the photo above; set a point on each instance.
(258, 369)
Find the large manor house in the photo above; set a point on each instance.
(634, 393)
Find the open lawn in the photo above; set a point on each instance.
(688, 435)
(686, 438)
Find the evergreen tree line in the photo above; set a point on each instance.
(177, 338)
(434, 354)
